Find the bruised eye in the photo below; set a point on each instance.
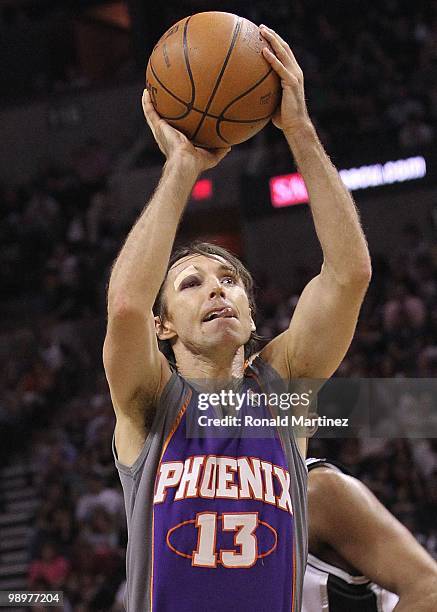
(190, 281)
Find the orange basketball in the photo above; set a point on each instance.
(208, 78)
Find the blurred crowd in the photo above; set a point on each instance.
(59, 241)
(397, 330)
(369, 74)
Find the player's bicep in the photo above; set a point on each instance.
(133, 363)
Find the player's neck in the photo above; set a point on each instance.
(197, 367)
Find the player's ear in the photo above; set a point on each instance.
(164, 330)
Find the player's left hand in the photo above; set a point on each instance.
(292, 112)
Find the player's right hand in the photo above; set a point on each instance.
(292, 113)
(175, 146)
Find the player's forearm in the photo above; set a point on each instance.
(335, 216)
(141, 265)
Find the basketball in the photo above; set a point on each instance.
(208, 78)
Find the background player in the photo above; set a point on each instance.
(353, 540)
(207, 319)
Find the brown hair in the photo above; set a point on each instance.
(209, 250)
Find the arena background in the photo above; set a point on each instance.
(77, 165)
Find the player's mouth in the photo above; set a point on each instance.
(227, 312)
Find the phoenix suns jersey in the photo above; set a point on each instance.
(330, 589)
(215, 524)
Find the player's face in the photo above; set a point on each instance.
(207, 305)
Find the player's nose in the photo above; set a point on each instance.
(216, 290)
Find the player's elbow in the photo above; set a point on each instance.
(358, 273)
(119, 306)
(355, 275)
(362, 273)
(122, 307)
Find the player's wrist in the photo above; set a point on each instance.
(299, 128)
(180, 176)
(186, 167)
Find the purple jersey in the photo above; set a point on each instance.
(215, 523)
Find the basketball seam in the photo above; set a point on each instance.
(254, 120)
(237, 29)
(210, 116)
(188, 105)
(222, 118)
(187, 64)
(173, 95)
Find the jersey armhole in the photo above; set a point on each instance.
(161, 410)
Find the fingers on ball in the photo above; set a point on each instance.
(276, 63)
(278, 43)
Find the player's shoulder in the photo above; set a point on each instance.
(275, 353)
(328, 481)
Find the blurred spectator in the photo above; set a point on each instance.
(49, 566)
(91, 163)
(403, 107)
(415, 133)
(403, 311)
(98, 495)
(101, 531)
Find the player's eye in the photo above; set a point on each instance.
(189, 282)
(229, 280)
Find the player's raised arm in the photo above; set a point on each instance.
(345, 515)
(325, 317)
(135, 369)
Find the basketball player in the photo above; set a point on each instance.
(359, 554)
(219, 523)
